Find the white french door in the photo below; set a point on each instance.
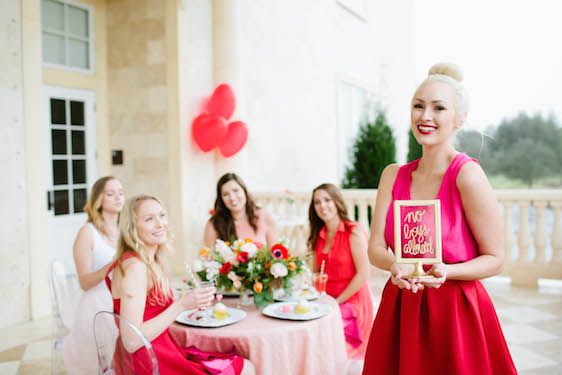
(70, 125)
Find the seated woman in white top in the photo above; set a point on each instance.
(94, 251)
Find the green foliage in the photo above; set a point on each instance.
(527, 160)
(477, 145)
(414, 148)
(373, 150)
(527, 148)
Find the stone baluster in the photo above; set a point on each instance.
(302, 208)
(363, 215)
(523, 237)
(350, 203)
(540, 236)
(508, 231)
(556, 233)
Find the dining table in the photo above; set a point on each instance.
(273, 345)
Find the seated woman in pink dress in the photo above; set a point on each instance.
(142, 295)
(236, 216)
(447, 324)
(342, 245)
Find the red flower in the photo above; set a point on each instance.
(279, 251)
(226, 268)
(243, 257)
(212, 211)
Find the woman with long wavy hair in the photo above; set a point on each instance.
(94, 250)
(236, 216)
(341, 244)
(141, 294)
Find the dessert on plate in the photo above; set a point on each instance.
(302, 307)
(220, 311)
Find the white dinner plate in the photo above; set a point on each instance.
(206, 319)
(284, 310)
(308, 294)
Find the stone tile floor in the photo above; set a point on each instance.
(531, 320)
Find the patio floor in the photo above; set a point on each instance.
(531, 320)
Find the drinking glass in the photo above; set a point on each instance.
(319, 280)
(205, 286)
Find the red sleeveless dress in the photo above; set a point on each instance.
(450, 330)
(357, 311)
(172, 359)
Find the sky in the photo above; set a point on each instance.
(510, 53)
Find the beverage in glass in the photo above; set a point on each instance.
(319, 280)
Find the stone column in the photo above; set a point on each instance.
(227, 69)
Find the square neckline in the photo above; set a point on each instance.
(442, 181)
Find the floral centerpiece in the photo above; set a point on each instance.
(243, 266)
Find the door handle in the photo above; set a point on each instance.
(50, 203)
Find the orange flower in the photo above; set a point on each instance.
(258, 287)
(267, 265)
(292, 266)
(247, 240)
(204, 252)
(227, 243)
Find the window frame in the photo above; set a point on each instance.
(342, 130)
(91, 38)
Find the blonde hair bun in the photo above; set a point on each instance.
(447, 69)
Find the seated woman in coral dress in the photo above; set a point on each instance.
(447, 324)
(236, 216)
(142, 295)
(94, 250)
(341, 245)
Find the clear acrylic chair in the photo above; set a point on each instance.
(122, 351)
(65, 291)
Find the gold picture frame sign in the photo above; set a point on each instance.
(417, 234)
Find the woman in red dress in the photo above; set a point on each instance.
(444, 325)
(142, 295)
(342, 245)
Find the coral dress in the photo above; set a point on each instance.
(450, 330)
(172, 359)
(357, 311)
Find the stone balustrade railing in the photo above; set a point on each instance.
(531, 225)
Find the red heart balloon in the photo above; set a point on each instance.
(208, 131)
(235, 139)
(222, 101)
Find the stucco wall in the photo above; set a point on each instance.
(137, 94)
(14, 261)
(284, 60)
(291, 55)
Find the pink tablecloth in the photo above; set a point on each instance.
(277, 346)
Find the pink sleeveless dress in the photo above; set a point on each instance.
(172, 359)
(357, 311)
(245, 230)
(450, 330)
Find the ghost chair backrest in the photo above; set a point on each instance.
(122, 348)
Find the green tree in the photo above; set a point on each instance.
(373, 150)
(477, 145)
(527, 147)
(414, 148)
(527, 160)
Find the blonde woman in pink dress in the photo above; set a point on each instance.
(94, 251)
(236, 216)
(446, 324)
